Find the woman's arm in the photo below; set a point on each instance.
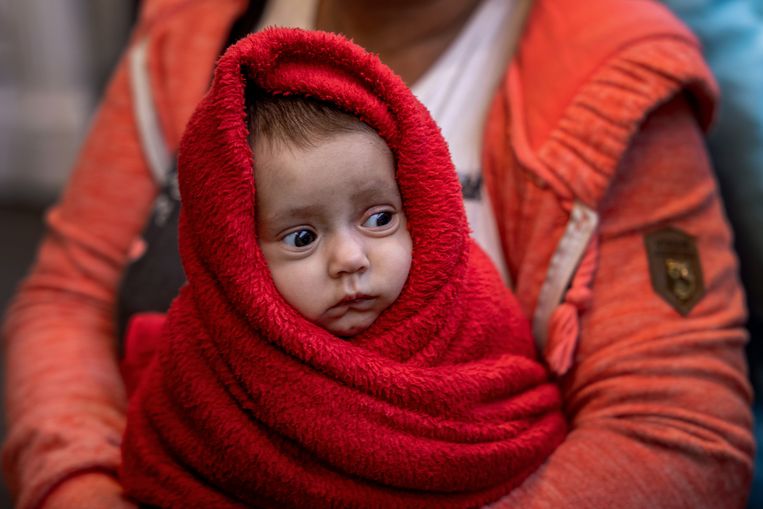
(64, 396)
(658, 402)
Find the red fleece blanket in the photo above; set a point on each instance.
(440, 403)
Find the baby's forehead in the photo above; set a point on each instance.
(354, 165)
(336, 148)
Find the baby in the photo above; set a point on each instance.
(341, 342)
(330, 220)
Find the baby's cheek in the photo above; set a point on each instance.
(396, 262)
(300, 287)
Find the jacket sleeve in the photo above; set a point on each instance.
(65, 400)
(659, 403)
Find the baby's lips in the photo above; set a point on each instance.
(357, 303)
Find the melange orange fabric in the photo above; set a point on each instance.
(603, 104)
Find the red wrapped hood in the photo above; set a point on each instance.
(440, 403)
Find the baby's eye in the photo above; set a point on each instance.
(300, 238)
(378, 219)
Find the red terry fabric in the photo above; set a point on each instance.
(142, 337)
(440, 403)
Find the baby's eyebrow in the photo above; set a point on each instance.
(372, 191)
(293, 213)
(376, 190)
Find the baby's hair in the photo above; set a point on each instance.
(298, 120)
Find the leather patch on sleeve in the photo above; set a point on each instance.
(675, 268)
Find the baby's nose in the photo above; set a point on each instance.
(347, 254)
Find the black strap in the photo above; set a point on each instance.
(152, 281)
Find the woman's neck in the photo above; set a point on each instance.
(408, 35)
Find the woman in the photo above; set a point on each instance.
(598, 201)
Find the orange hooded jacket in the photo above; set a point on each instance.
(593, 143)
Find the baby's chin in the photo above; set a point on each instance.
(347, 329)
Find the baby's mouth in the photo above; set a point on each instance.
(360, 302)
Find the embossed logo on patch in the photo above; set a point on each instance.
(675, 268)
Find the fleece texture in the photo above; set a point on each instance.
(440, 403)
(658, 403)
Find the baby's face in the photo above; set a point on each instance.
(331, 225)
